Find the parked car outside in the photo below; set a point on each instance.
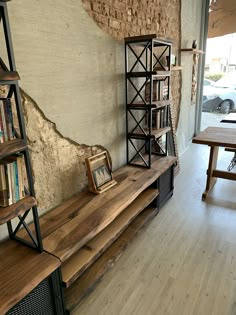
(220, 95)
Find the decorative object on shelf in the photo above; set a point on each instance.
(148, 99)
(17, 196)
(99, 173)
(194, 44)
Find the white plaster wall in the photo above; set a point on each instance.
(191, 18)
(72, 70)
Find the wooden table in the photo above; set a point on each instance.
(230, 118)
(216, 137)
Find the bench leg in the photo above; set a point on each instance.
(211, 167)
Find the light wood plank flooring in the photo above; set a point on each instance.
(184, 261)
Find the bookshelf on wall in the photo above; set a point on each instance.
(149, 123)
(17, 197)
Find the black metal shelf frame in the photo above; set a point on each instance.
(147, 59)
(32, 231)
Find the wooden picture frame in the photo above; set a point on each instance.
(99, 173)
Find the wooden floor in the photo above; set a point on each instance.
(184, 262)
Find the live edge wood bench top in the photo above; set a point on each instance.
(21, 270)
(70, 226)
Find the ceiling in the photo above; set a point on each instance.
(222, 18)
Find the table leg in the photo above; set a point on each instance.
(211, 167)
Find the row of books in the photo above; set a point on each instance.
(6, 120)
(11, 180)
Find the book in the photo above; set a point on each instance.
(20, 177)
(3, 187)
(10, 187)
(4, 125)
(16, 182)
(9, 118)
(1, 130)
(12, 178)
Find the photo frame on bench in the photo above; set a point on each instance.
(100, 176)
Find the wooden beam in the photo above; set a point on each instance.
(211, 180)
(224, 174)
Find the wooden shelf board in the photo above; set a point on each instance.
(21, 269)
(153, 105)
(9, 75)
(163, 162)
(65, 212)
(192, 50)
(20, 207)
(87, 282)
(97, 214)
(82, 259)
(143, 39)
(156, 133)
(11, 147)
(73, 207)
(145, 74)
(176, 68)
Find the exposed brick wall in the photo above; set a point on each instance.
(123, 18)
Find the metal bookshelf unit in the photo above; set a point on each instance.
(148, 99)
(18, 145)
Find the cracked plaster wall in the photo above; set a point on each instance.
(72, 75)
(58, 163)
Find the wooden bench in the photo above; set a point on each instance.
(89, 232)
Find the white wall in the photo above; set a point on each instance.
(191, 16)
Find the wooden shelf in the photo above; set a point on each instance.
(20, 207)
(11, 147)
(176, 68)
(97, 214)
(192, 51)
(87, 282)
(156, 133)
(153, 105)
(6, 76)
(143, 39)
(21, 269)
(82, 259)
(144, 74)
